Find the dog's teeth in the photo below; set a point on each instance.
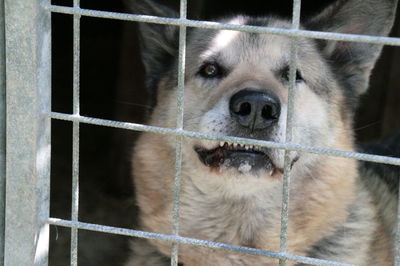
(246, 147)
(235, 145)
(221, 144)
(271, 172)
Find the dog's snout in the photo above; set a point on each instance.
(254, 109)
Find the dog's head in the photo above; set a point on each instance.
(236, 84)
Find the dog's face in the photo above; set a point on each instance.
(236, 84)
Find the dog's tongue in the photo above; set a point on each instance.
(244, 161)
(247, 161)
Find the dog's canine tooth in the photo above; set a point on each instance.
(235, 145)
(221, 143)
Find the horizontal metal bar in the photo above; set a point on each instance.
(216, 25)
(192, 134)
(190, 241)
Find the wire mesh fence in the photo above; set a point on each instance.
(31, 115)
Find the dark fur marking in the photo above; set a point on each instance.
(333, 245)
(389, 174)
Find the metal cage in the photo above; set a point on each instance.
(25, 118)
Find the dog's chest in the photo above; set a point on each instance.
(233, 221)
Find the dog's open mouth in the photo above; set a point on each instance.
(244, 158)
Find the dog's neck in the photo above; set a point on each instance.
(259, 210)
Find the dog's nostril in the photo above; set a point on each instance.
(268, 112)
(245, 109)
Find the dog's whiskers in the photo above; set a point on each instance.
(148, 107)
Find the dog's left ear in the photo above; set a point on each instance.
(159, 43)
(354, 60)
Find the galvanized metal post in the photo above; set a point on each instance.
(28, 84)
(2, 130)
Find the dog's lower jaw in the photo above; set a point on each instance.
(246, 159)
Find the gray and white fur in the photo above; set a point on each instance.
(236, 85)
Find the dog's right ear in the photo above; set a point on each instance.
(354, 60)
(159, 43)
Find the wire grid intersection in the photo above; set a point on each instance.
(179, 132)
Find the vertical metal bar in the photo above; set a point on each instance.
(288, 138)
(75, 192)
(28, 96)
(397, 239)
(181, 67)
(179, 126)
(76, 59)
(75, 137)
(2, 130)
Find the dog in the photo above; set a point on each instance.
(236, 84)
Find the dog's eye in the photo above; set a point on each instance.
(210, 70)
(299, 77)
(285, 75)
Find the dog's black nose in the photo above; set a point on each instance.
(254, 109)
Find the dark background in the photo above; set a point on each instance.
(112, 88)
